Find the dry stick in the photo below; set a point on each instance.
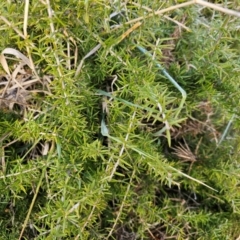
(68, 55)
(123, 147)
(160, 12)
(203, 3)
(114, 168)
(168, 18)
(32, 204)
(11, 26)
(25, 24)
(96, 48)
(19, 173)
(50, 15)
(22, 35)
(12, 101)
(121, 207)
(218, 8)
(70, 39)
(124, 35)
(200, 2)
(90, 216)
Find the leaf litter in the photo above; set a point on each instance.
(20, 84)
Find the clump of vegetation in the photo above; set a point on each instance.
(119, 120)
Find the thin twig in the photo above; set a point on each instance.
(32, 204)
(25, 24)
(168, 18)
(11, 26)
(218, 8)
(181, 5)
(123, 147)
(122, 205)
(226, 130)
(19, 173)
(160, 12)
(50, 15)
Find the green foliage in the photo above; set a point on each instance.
(105, 150)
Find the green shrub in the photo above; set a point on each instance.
(98, 142)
